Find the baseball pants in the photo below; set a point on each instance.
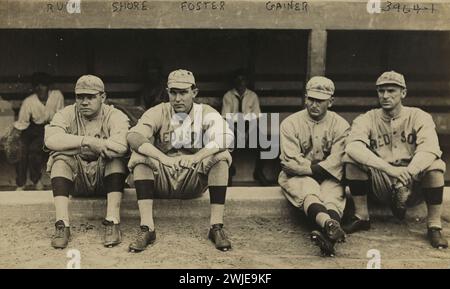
(186, 183)
(380, 184)
(296, 189)
(90, 179)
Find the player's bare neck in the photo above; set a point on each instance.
(188, 111)
(395, 112)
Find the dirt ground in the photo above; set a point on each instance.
(257, 243)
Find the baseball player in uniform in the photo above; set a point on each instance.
(312, 146)
(393, 152)
(179, 151)
(87, 142)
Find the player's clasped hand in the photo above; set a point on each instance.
(173, 163)
(401, 173)
(189, 161)
(98, 146)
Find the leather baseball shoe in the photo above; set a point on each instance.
(61, 237)
(334, 231)
(144, 238)
(355, 225)
(217, 236)
(436, 239)
(113, 235)
(324, 243)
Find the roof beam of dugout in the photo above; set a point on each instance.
(231, 14)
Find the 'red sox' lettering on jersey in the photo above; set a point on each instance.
(396, 139)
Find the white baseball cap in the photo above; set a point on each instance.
(89, 84)
(391, 77)
(181, 79)
(320, 87)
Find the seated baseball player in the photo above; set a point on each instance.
(179, 149)
(393, 153)
(87, 142)
(312, 146)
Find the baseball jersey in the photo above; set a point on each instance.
(173, 133)
(32, 109)
(111, 124)
(396, 139)
(321, 142)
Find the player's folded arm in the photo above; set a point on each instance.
(117, 142)
(289, 143)
(136, 140)
(427, 144)
(426, 136)
(57, 139)
(333, 163)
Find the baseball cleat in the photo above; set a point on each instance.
(113, 235)
(144, 238)
(400, 196)
(355, 225)
(61, 237)
(217, 236)
(436, 239)
(324, 243)
(334, 231)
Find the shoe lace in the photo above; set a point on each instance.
(140, 237)
(59, 232)
(108, 227)
(220, 232)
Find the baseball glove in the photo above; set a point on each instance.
(11, 143)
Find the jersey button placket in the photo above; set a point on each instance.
(394, 140)
(316, 143)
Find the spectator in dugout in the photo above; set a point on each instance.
(241, 103)
(153, 91)
(36, 111)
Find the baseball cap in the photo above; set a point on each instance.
(391, 77)
(181, 79)
(320, 87)
(89, 84)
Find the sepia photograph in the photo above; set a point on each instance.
(237, 134)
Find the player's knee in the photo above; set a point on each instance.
(115, 165)
(304, 184)
(218, 174)
(61, 168)
(433, 179)
(142, 172)
(354, 172)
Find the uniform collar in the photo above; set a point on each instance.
(190, 113)
(98, 117)
(387, 117)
